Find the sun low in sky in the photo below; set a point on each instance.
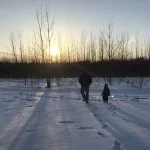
(54, 50)
(72, 17)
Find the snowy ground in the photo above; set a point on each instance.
(33, 117)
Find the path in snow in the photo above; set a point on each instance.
(57, 119)
(125, 121)
(55, 122)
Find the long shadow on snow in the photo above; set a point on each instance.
(30, 141)
(129, 141)
(137, 120)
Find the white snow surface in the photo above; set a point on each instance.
(33, 117)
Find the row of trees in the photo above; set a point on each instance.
(115, 68)
(37, 47)
(104, 45)
(102, 54)
(87, 48)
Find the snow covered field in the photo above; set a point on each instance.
(33, 117)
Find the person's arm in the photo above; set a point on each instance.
(90, 80)
(102, 92)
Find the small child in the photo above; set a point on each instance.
(106, 93)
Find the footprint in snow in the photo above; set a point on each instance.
(104, 126)
(117, 145)
(101, 134)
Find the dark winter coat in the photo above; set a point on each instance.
(85, 79)
(106, 91)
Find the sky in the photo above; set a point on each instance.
(74, 16)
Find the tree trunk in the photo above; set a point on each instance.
(48, 83)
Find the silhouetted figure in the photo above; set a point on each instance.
(106, 93)
(85, 80)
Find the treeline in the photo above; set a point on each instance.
(115, 68)
(103, 54)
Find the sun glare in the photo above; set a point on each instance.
(54, 50)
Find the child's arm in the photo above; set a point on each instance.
(102, 92)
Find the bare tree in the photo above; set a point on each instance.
(40, 21)
(83, 45)
(110, 49)
(21, 48)
(45, 34)
(49, 28)
(68, 50)
(73, 49)
(109, 35)
(122, 46)
(59, 37)
(142, 51)
(13, 46)
(137, 46)
(34, 49)
(148, 50)
(92, 48)
(101, 45)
